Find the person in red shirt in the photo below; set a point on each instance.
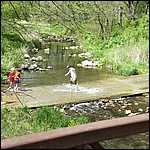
(11, 78)
(17, 78)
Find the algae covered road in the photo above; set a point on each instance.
(94, 90)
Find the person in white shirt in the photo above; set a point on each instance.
(73, 77)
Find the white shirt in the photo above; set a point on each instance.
(72, 73)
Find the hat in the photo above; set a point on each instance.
(68, 66)
(12, 69)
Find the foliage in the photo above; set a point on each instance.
(16, 10)
(127, 45)
(20, 121)
(10, 40)
(98, 31)
(127, 70)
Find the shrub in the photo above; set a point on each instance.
(19, 121)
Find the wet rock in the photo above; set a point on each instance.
(65, 107)
(110, 101)
(127, 112)
(136, 103)
(105, 107)
(147, 109)
(72, 47)
(49, 67)
(85, 55)
(105, 101)
(39, 58)
(32, 67)
(146, 94)
(33, 59)
(47, 50)
(120, 102)
(129, 104)
(42, 69)
(35, 50)
(25, 66)
(102, 106)
(26, 60)
(74, 55)
(133, 114)
(62, 110)
(113, 105)
(140, 109)
(26, 56)
(107, 104)
(123, 107)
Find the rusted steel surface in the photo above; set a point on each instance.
(76, 136)
(96, 146)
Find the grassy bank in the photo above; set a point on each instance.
(22, 121)
(126, 50)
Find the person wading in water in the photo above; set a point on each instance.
(73, 77)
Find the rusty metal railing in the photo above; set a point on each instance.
(75, 137)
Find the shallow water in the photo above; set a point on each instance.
(80, 89)
(59, 59)
(95, 112)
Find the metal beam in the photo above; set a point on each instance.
(75, 136)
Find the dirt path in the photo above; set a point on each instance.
(61, 94)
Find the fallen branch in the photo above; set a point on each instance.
(52, 76)
(28, 95)
(18, 97)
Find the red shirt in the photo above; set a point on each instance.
(11, 76)
(17, 75)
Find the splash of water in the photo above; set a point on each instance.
(66, 88)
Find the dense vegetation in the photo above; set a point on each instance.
(21, 121)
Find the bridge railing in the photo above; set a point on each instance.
(80, 136)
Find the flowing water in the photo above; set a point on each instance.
(105, 109)
(58, 59)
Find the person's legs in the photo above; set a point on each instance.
(76, 88)
(16, 88)
(76, 85)
(73, 82)
(10, 86)
(70, 85)
(17, 84)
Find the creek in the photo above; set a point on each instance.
(58, 59)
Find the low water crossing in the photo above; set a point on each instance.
(101, 109)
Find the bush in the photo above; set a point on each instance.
(128, 69)
(19, 121)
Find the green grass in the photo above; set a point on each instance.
(18, 121)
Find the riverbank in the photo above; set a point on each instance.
(90, 91)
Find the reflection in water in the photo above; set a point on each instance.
(58, 59)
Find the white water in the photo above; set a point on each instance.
(66, 88)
